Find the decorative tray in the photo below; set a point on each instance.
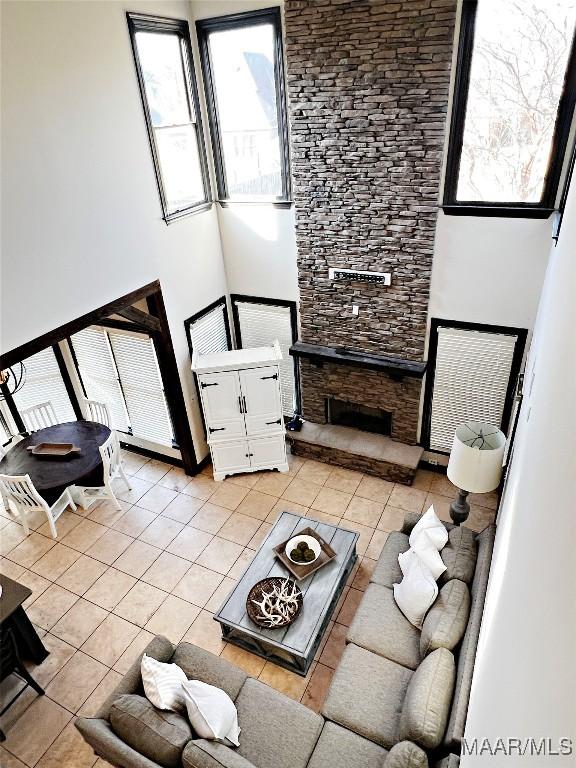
(303, 571)
(274, 602)
(53, 450)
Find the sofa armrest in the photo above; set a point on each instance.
(201, 753)
(161, 649)
(406, 754)
(99, 734)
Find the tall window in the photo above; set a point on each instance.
(43, 382)
(164, 65)
(244, 79)
(513, 103)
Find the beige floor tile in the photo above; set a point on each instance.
(136, 520)
(55, 562)
(479, 518)
(423, 480)
(12, 535)
(84, 535)
(365, 534)
(161, 532)
(205, 633)
(110, 588)
(409, 499)
(334, 646)
(166, 571)
(288, 683)
(157, 499)
(198, 585)
(239, 528)
(249, 662)
(105, 512)
(295, 462)
(283, 505)
(273, 483)
(9, 761)
(137, 558)
(60, 654)
(263, 531)
(133, 462)
(109, 640)
(228, 496)
(38, 584)
(349, 607)
(392, 519)
(237, 570)
(210, 518)
(315, 472)
(221, 594)
(441, 505)
(176, 479)
(364, 511)
(441, 486)
(31, 549)
(376, 543)
(133, 652)
(375, 489)
(201, 487)
(51, 606)
(153, 470)
(82, 574)
(138, 489)
(324, 517)
(36, 729)
(65, 523)
(110, 546)
(183, 508)
(332, 502)
(245, 479)
(10, 569)
(346, 480)
(190, 543)
(79, 622)
(317, 689)
(486, 500)
(301, 491)
(220, 555)
(173, 618)
(99, 695)
(363, 573)
(140, 603)
(68, 751)
(76, 681)
(256, 504)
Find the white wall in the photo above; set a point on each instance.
(81, 216)
(525, 675)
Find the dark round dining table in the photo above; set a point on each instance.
(51, 476)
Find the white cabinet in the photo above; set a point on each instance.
(242, 405)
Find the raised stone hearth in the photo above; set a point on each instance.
(363, 451)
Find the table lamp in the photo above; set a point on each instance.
(475, 464)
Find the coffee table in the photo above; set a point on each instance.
(295, 646)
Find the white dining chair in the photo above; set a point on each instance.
(112, 469)
(39, 416)
(21, 498)
(97, 411)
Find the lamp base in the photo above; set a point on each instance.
(460, 509)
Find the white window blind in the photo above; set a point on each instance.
(470, 381)
(208, 333)
(139, 373)
(261, 324)
(98, 373)
(44, 383)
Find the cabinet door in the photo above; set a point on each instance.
(262, 400)
(230, 457)
(221, 402)
(268, 452)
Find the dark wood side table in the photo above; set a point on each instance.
(13, 615)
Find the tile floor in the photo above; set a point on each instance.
(163, 564)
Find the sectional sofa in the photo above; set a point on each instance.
(398, 698)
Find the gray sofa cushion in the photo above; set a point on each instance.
(158, 735)
(99, 734)
(427, 702)
(366, 695)
(387, 571)
(380, 626)
(340, 748)
(446, 621)
(459, 555)
(211, 754)
(406, 754)
(199, 664)
(450, 761)
(276, 731)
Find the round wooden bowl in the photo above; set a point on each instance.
(266, 585)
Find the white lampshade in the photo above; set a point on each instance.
(475, 463)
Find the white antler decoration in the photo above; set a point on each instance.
(279, 605)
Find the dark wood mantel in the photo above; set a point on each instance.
(394, 366)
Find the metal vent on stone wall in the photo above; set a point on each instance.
(360, 276)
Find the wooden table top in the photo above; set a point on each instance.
(13, 595)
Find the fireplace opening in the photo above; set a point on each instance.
(363, 417)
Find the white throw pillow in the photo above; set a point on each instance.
(211, 712)
(433, 526)
(163, 683)
(426, 551)
(416, 592)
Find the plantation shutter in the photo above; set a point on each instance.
(208, 333)
(43, 382)
(470, 381)
(98, 373)
(261, 325)
(139, 373)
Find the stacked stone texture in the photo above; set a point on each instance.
(368, 92)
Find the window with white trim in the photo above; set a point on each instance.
(43, 382)
(208, 332)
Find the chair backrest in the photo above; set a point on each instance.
(110, 452)
(2, 452)
(97, 411)
(19, 489)
(39, 416)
